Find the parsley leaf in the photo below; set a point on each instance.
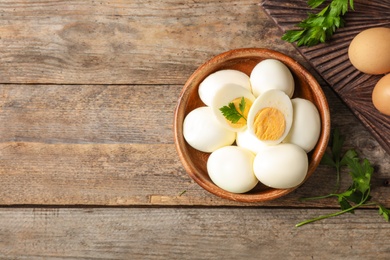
(315, 3)
(242, 105)
(334, 158)
(384, 212)
(360, 173)
(320, 27)
(360, 170)
(231, 113)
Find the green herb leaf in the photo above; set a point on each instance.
(333, 156)
(360, 173)
(181, 193)
(350, 154)
(384, 212)
(337, 144)
(242, 105)
(230, 112)
(328, 160)
(360, 170)
(351, 4)
(315, 3)
(344, 204)
(320, 27)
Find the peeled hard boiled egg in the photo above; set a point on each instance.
(203, 132)
(369, 51)
(281, 166)
(213, 82)
(230, 168)
(232, 93)
(381, 95)
(271, 74)
(270, 117)
(306, 125)
(249, 141)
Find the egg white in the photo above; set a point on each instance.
(247, 140)
(306, 126)
(281, 166)
(271, 74)
(213, 82)
(223, 97)
(231, 169)
(275, 99)
(203, 132)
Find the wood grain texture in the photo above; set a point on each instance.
(331, 59)
(119, 42)
(104, 145)
(87, 113)
(88, 166)
(174, 233)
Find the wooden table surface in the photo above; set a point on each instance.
(88, 166)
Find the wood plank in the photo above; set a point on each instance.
(125, 174)
(87, 113)
(106, 145)
(123, 42)
(162, 233)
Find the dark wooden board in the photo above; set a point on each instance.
(331, 59)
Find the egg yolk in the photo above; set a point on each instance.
(269, 124)
(242, 121)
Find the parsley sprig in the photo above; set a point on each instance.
(358, 193)
(231, 113)
(319, 27)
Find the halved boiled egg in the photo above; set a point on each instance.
(230, 168)
(231, 105)
(271, 74)
(270, 117)
(203, 132)
(213, 82)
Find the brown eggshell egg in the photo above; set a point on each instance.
(381, 95)
(369, 51)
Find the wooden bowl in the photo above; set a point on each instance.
(244, 60)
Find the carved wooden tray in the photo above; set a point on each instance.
(331, 59)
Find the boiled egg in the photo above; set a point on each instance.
(271, 74)
(249, 141)
(241, 98)
(270, 117)
(203, 132)
(281, 166)
(306, 126)
(231, 169)
(213, 82)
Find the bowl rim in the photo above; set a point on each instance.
(263, 53)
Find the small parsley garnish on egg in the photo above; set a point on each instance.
(231, 113)
(358, 193)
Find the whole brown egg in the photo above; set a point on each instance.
(381, 95)
(369, 51)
